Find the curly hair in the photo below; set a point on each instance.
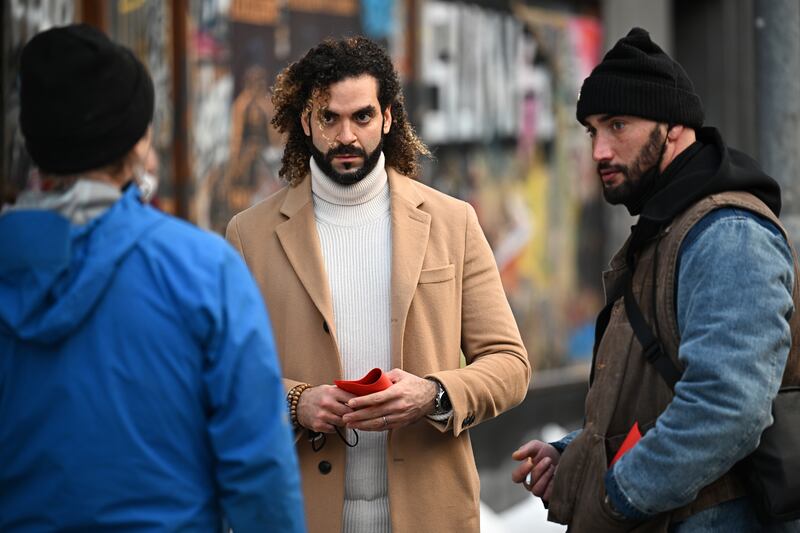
(327, 63)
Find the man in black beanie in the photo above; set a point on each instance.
(139, 384)
(696, 336)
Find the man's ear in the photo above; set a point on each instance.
(142, 148)
(674, 132)
(387, 119)
(305, 123)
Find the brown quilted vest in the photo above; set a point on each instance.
(627, 388)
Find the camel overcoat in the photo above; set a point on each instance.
(446, 298)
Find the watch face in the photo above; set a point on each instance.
(442, 402)
(445, 402)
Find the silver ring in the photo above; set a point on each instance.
(385, 422)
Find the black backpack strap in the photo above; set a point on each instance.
(652, 349)
(651, 346)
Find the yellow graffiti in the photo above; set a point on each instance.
(128, 6)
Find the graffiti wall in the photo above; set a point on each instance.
(498, 110)
(492, 92)
(236, 49)
(25, 19)
(144, 26)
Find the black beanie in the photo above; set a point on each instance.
(637, 78)
(84, 101)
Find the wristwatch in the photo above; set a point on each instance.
(441, 402)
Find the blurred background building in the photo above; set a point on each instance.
(491, 86)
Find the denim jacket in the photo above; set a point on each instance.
(734, 300)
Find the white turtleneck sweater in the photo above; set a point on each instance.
(354, 227)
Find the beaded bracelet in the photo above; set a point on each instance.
(293, 398)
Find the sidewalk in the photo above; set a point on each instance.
(528, 516)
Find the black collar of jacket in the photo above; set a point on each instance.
(706, 167)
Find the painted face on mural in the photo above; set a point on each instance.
(346, 130)
(626, 149)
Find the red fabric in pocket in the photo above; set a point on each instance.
(630, 441)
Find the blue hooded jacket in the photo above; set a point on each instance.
(139, 385)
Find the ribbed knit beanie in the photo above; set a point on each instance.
(84, 100)
(637, 78)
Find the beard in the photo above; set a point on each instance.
(325, 161)
(640, 176)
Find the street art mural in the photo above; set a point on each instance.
(26, 20)
(467, 71)
(492, 93)
(144, 27)
(211, 96)
(500, 92)
(238, 48)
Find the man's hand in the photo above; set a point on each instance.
(321, 408)
(406, 401)
(540, 461)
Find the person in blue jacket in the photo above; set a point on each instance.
(139, 384)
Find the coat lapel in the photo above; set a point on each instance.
(410, 230)
(299, 238)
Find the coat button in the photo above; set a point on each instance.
(324, 467)
(325, 327)
(468, 420)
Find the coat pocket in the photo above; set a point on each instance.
(614, 442)
(437, 275)
(592, 514)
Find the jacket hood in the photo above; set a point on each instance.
(52, 274)
(705, 168)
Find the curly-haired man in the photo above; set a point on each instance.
(363, 267)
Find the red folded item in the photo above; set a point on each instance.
(374, 381)
(630, 441)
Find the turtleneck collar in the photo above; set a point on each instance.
(359, 193)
